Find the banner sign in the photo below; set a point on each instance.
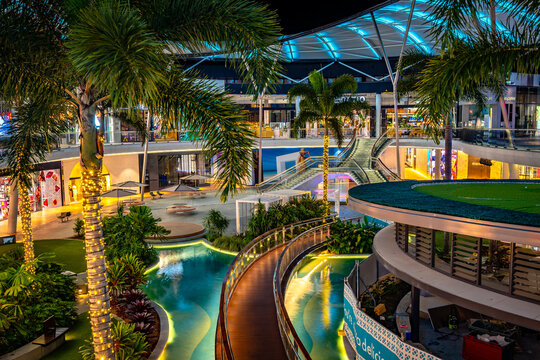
(371, 340)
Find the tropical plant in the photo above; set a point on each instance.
(78, 228)
(126, 234)
(283, 214)
(230, 243)
(85, 52)
(476, 56)
(215, 223)
(327, 104)
(352, 238)
(30, 293)
(128, 343)
(30, 133)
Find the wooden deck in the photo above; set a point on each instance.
(251, 315)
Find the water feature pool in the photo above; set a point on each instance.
(314, 301)
(187, 285)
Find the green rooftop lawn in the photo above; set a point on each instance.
(69, 253)
(517, 197)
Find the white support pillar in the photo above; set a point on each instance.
(378, 115)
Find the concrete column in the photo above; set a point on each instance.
(437, 164)
(378, 115)
(415, 314)
(13, 208)
(297, 105)
(513, 171)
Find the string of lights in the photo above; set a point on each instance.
(99, 302)
(26, 224)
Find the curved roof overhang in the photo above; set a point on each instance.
(355, 38)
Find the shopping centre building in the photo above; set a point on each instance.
(459, 259)
(351, 46)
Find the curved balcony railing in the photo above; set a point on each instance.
(303, 244)
(242, 262)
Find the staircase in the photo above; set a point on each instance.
(355, 159)
(361, 157)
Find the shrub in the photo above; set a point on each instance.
(78, 228)
(125, 274)
(28, 299)
(129, 344)
(231, 243)
(349, 238)
(279, 215)
(215, 223)
(126, 234)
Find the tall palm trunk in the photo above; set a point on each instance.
(99, 302)
(325, 168)
(26, 223)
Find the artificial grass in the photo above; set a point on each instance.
(518, 197)
(69, 253)
(400, 194)
(75, 338)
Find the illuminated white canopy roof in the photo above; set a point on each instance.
(356, 38)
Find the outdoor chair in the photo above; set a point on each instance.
(160, 194)
(64, 216)
(153, 195)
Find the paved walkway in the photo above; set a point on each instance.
(251, 315)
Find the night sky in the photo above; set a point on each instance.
(302, 15)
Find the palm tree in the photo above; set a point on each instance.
(325, 103)
(85, 52)
(33, 128)
(477, 57)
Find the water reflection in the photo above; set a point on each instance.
(314, 301)
(188, 284)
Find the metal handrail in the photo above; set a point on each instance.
(314, 160)
(363, 171)
(241, 263)
(301, 245)
(385, 169)
(294, 347)
(375, 147)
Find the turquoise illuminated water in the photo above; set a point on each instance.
(188, 285)
(314, 301)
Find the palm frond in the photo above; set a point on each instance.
(245, 31)
(336, 127)
(317, 81)
(32, 57)
(32, 133)
(299, 122)
(211, 116)
(112, 48)
(345, 83)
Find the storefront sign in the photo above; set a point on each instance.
(371, 340)
(4, 240)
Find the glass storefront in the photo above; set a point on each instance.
(172, 167)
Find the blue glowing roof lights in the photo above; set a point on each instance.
(329, 44)
(290, 49)
(363, 33)
(416, 39)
